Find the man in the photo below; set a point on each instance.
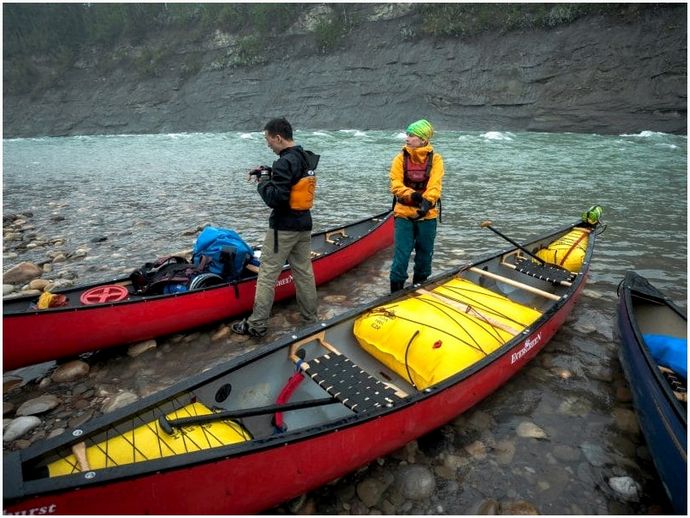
(288, 188)
(416, 177)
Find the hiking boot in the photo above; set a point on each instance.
(243, 328)
(397, 286)
(419, 279)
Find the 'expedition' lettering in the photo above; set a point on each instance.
(529, 345)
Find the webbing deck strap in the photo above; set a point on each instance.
(349, 384)
(545, 272)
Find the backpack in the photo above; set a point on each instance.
(221, 251)
(171, 274)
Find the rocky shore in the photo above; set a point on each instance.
(597, 75)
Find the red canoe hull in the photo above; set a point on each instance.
(37, 337)
(262, 479)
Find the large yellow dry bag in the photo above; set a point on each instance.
(148, 442)
(427, 338)
(568, 251)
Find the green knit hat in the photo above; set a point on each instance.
(421, 128)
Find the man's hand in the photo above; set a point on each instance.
(259, 174)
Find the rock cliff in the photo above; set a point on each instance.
(595, 75)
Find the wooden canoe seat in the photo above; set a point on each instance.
(349, 384)
(344, 380)
(546, 272)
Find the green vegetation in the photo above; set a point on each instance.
(468, 20)
(42, 41)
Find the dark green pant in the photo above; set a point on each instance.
(413, 235)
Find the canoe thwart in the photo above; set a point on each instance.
(515, 284)
(470, 311)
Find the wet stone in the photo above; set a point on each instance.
(70, 371)
(519, 507)
(370, 491)
(416, 482)
(530, 430)
(19, 427)
(488, 507)
(38, 405)
(566, 453)
(626, 487)
(626, 420)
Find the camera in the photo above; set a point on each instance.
(263, 172)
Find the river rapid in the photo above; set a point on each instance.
(551, 440)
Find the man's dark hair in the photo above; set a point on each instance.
(279, 127)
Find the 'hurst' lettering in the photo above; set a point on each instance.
(46, 509)
(529, 345)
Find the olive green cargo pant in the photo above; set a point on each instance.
(295, 247)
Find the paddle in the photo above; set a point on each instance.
(546, 271)
(167, 426)
(487, 224)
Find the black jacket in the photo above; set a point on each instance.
(275, 191)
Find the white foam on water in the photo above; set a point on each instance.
(498, 135)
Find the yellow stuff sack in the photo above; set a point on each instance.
(568, 251)
(430, 337)
(148, 442)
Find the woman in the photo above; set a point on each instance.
(416, 176)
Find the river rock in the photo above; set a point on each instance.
(594, 453)
(39, 284)
(135, 350)
(626, 487)
(118, 401)
(504, 452)
(222, 333)
(416, 482)
(19, 427)
(530, 430)
(370, 491)
(518, 507)
(626, 420)
(70, 371)
(38, 405)
(489, 507)
(22, 273)
(7, 289)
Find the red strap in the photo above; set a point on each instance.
(285, 396)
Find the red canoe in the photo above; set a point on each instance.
(32, 336)
(296, 414)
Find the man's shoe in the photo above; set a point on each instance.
(242, 328)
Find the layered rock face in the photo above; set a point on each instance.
(594, 76)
